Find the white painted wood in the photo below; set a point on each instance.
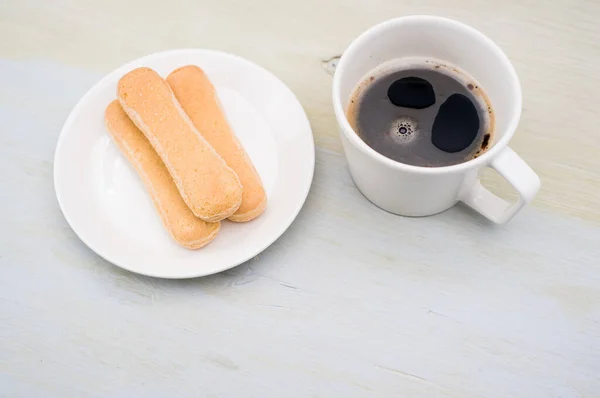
(351, 301)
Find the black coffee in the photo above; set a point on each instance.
(422, 115)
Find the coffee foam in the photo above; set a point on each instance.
(404, 130)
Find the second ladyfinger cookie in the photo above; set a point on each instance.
(199, 99)
(209, 187)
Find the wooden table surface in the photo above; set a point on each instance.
(351, 301)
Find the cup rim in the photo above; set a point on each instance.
(353, 137)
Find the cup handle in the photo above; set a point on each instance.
(514, 169)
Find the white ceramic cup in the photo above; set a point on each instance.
(421, 191)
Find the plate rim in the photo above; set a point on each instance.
(284, 225)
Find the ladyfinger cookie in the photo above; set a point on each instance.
(187, 229)
(199, 100)
(209, 187)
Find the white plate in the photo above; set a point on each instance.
(106, 204)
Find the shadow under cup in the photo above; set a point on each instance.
(444, 40)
